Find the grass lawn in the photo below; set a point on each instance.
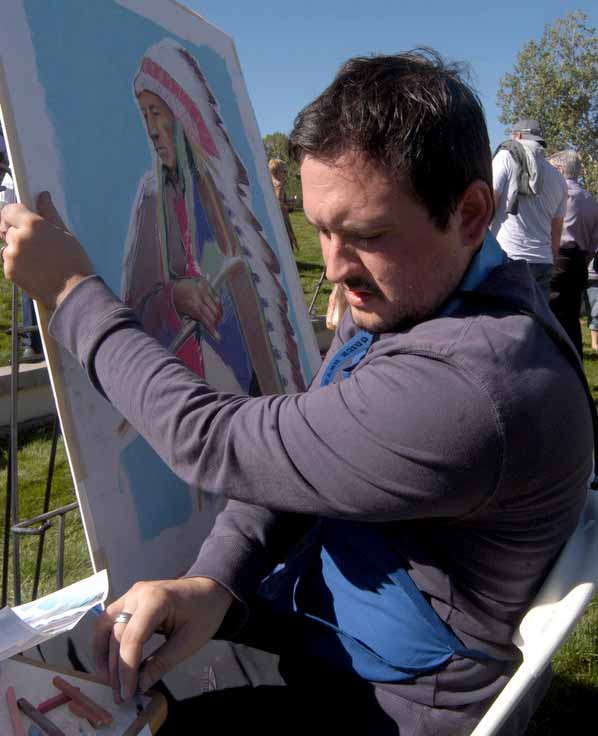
(34, 455)
(574, 691)
(309, 262)
(5, 317)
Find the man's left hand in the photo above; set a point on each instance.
(41, 255)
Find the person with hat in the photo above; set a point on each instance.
(531, 199)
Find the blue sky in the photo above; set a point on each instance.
(290, 51)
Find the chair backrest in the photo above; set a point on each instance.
(560, 602)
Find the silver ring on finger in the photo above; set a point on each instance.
(123, 618)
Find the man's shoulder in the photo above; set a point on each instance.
(577, 192)
(502, 159)
(554, 178)
(509, 287)
(148, 185)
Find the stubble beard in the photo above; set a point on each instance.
(377, 324)
(399, 318)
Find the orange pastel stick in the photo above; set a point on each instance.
(79, 710)
(75, 694)
(15, 714)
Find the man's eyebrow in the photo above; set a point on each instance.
(355, 228)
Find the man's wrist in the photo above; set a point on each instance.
(215, 589)
(71, 283)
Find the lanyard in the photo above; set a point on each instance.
(355, 348)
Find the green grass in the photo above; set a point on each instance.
(573, 693)
(33, 459)
(5, 317)
(574, 689)
(309, 262)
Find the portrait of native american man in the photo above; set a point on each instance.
(197, 269)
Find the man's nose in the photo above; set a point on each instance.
(340, 258)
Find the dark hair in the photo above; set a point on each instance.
(410, 113)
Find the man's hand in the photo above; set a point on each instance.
(195, 298)
(187, 611)
(41, 255)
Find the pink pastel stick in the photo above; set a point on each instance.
(15, 714)
(55, 702)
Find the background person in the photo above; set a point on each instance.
(531, 198)
(278, 174)
(592, 304)
(415, 512)
(579, 242)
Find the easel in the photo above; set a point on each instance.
(14, 527)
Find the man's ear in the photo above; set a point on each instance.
(476, 208)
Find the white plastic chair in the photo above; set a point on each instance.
(561, 601)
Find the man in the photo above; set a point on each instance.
(278, 174)
(415, 512)
(530, 198)
(579, 242)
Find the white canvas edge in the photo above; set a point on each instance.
(23, 99)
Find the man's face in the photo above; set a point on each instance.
(395, 266)
(159, 121)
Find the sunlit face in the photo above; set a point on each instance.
(159, 121)
(395, 266)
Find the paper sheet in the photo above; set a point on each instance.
(26, 626)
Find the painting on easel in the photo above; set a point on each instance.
(135, 116)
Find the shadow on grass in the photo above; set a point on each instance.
(306, 266)
(566, 705)
(42, 434)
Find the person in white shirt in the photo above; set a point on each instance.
(531, 199)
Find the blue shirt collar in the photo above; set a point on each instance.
(488, 257)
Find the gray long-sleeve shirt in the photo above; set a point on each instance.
(581, 219)
(470, 434)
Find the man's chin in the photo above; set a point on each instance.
(377, 323)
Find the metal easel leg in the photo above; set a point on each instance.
(316, 292)
(46, 508)
(14, 445)
(6, 543)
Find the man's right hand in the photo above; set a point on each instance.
(187, 611)
(41, 255)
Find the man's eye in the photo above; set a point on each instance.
(365, 240)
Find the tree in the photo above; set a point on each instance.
(277, 146)
(555, 81)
